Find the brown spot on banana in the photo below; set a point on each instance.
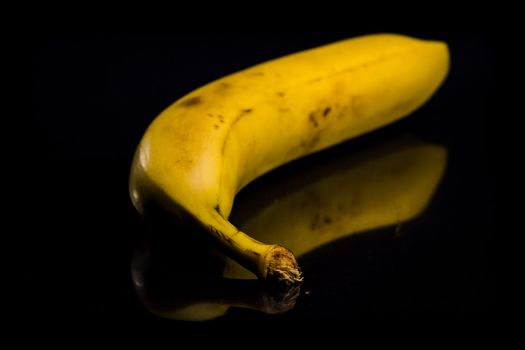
(309, 144)
(315, 222)
(191, 102)
(314, 80)
(249, 251)
(221, 236)
(311, 118)
(357, 105)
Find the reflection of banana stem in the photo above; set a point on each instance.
(256, 295)
(381, 187)
(169, 291)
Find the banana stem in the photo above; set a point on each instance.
(280, 264)
(251, 294)
(269, 262)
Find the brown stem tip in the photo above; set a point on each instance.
(282, 266)
(278, 301)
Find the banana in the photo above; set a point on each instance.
(200, 151)
(325, 200)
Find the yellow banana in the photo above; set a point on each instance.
(304, 209)
(199, 152)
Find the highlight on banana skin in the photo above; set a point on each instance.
(324, 201)
(203, 149)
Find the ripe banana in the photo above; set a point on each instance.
(199, 152)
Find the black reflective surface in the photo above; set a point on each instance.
(94, 95)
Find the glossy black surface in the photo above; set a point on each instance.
(94, 95)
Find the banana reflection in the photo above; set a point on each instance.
(383, 186)
(189, 286)
(316, 204)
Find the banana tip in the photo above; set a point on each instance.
(281, 266)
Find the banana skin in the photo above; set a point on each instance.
(200, 151)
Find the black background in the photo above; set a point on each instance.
(94, 94)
